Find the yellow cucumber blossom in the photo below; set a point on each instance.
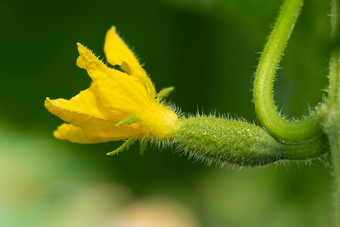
(117, 105)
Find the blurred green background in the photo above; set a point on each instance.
(208, 50)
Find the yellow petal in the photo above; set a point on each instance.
(86, 111)
(96, 69)
(78, 135)
(117, 90)
(75, 134)
(82, 110)
(123, 97)
(118, 53)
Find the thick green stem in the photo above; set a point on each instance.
(334, 60)
(331, 113)
(266, 110)
(331, 124)
(334, 140)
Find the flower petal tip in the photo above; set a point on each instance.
(111, 31)
(47, 103)
(113, 28)
(58, 135)
(81, 60)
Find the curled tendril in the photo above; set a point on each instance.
(266, 110)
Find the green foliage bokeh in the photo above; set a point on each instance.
(208, 50)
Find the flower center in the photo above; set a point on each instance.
(159, 122)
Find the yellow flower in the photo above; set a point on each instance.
(117, 105)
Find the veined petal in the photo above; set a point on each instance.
(75, 134)
(78, 135)
(83, 110)
(123, 96)
(118, 53)
(118, 133)
(96, 69)
(86, 110)
(117, 88)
